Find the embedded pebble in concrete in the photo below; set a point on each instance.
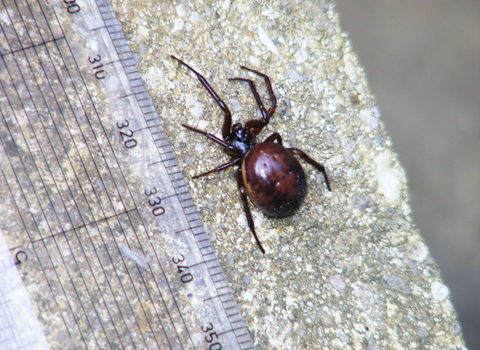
(338, 283)
(199, 148)
(398, 284)
(439, 291)
(348, 270)
(265, 40)
(418, 251)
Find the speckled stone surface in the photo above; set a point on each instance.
(348, 270)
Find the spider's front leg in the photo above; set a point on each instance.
(273, 99)
(227, 120)
(256, 126)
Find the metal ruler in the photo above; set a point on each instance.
(101, 246)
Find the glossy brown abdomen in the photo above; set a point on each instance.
(274, 179)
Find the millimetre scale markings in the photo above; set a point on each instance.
(75, 190)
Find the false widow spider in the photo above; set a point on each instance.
(268, 173)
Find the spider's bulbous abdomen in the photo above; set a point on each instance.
(274, 179)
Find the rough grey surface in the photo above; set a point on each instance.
(422, 61)
(349, 270)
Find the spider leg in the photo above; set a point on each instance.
(214, 139)
(254, 126)
(246, 208)
(227, 120)
(313, 163)
(273, 99)
(219, 168)
(275, 136)
(263, 111)
(257, 125)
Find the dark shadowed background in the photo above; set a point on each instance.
(422, 61)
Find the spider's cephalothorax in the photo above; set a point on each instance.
(268, 173)
(241, 138)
